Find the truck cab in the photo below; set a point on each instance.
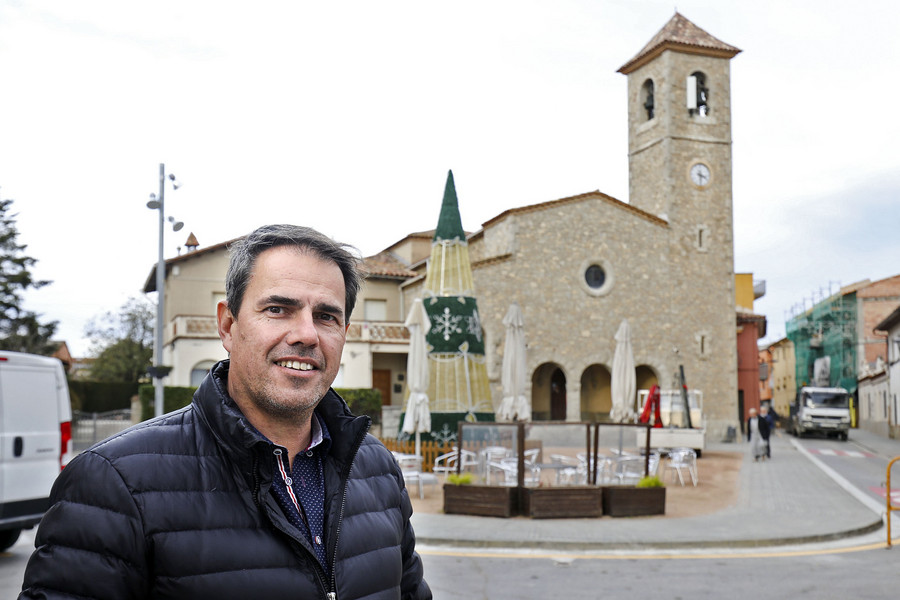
(821, 409)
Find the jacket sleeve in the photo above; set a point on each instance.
(90, 543)
(413, 585)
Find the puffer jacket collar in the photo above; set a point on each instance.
(240, 440)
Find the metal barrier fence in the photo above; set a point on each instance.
(90, 428)
(430, 450)
(890, 501)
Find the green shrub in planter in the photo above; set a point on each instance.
(459, 478)
(650, 482)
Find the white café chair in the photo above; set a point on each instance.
(509, 467)
(448, 463)
(682, 459)
(571, 471)
(489, 461)
(411, 466)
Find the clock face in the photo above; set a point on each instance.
(700, 175)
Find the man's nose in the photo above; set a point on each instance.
(303, 330)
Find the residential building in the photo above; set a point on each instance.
(836, 338)
(195, 283)
(890, 367)
(766, 383)
(781, 381)
(750, 328)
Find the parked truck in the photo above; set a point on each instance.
(821, 409)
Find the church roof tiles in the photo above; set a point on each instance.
(680, 35)
(385, 264)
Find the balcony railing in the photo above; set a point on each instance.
(382, 332)
(192, 326)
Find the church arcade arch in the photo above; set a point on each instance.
(548, 393)
(646, 377)
(596, 393)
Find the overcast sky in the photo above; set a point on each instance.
(347, 115)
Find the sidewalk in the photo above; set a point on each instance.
(788, 500)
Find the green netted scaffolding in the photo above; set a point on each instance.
(828, 329)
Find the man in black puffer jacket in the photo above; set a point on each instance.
(265, 486)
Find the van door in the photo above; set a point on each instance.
(29, 437)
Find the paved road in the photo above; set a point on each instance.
(795, 573)
(861, 465)
(849, 567)
(12, 565)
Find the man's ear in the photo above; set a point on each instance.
(225, 320)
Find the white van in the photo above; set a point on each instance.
(35, 438)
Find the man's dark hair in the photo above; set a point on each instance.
(244, 252)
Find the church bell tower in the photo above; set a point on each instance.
(679, 159)
(679, 120)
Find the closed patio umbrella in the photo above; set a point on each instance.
(514, 406)
(418, 414)
(624, 380)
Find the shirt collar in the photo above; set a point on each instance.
(319, 435)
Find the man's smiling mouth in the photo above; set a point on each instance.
(295, 365)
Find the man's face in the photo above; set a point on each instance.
(285, 343)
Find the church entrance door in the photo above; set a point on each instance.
(558, 396)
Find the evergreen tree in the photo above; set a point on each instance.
(123, 342)
(20, 329)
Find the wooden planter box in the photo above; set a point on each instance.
(628, 501)
(481, 500)
(563, 502)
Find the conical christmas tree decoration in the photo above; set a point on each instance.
(458, 381)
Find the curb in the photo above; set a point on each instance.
(648, 545)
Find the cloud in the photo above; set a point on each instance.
(823, 242)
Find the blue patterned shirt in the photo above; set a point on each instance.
(301, 493)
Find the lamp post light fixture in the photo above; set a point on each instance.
(157, 202)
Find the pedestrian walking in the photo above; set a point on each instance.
(768, 413)
(757, 435)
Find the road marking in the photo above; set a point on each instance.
(846, 453)
(854, 491)
(881, 491)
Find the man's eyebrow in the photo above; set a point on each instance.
(325, 307)
(330, 309)
(281, 300)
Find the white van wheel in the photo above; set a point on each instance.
(8, 537)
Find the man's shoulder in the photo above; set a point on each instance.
(171, 431)
(373, 450)
(375, 445)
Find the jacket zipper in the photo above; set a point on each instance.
(332, 594)
(319, 571)
(256, 485)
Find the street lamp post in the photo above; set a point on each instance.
(158, 203)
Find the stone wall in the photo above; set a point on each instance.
(541, 265)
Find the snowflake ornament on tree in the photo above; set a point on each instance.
(473, 325)
(446, 323)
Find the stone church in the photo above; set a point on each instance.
(577, 266)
